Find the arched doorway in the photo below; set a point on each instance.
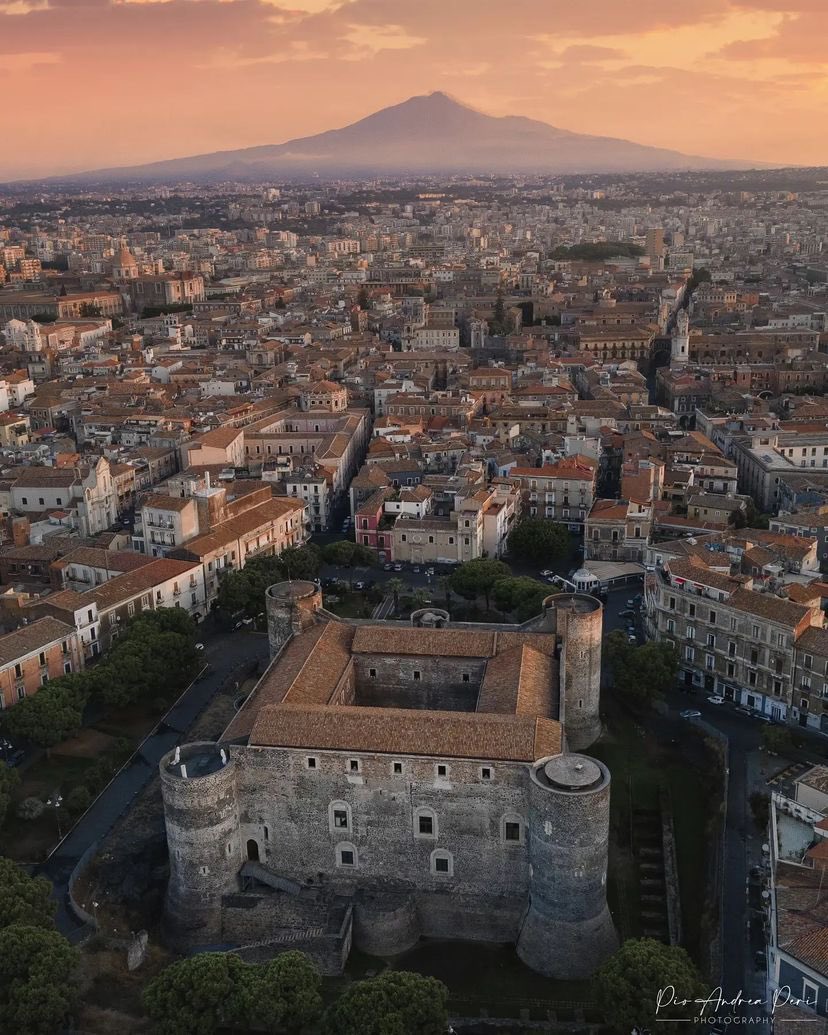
(253, 850)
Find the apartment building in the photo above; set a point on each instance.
(563, 491)
(264, 530)
(618, 530)
(32, 655)
(733, 639)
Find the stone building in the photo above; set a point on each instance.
(387, 781)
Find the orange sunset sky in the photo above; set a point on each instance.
(91, 83)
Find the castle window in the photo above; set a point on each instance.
(204, 870)
(339, 816)
(442, 769)
(466, 677)
(372, 672)
(354, 765)
(511, 829)
(397, 768)
(310, 762)
(266, 833)
(416, 675)
(442, 863)
(346, 855)
(486, 772)
(425, 823)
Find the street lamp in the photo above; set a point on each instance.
(55, 802)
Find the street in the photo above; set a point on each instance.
(224, 653)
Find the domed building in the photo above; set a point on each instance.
(324, 395)
(125, 266)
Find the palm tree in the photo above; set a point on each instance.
(396, 586)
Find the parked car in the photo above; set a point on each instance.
(715, 699)
(416, 570)
(632, 603)
(359, 585)
(388, 567)
(397, 567)
(690, 713)
(547, 574)
(429, 571)
(632, 639)
(199, 646)
(628, 613)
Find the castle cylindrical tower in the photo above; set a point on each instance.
(579, 624)
(290, 609)
(201, 814)
(567, 931)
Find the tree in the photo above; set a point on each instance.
(419, 599)
(628, 986)
(478, 577)
(522, 595)
(776, 740)
(760, 809)
(346, 554)
(395, 1003)
(538, 541)
(8, 781)
(24, 899)
(444, 585)
(362, 298)
(49, 716)
(300, 562)
(286, 994)
(199, 995)
(642, 673)
(396, 586)
(499, 323)
(37, 980)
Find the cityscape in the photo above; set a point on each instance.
(413, 582)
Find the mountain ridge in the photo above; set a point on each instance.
(427, 133)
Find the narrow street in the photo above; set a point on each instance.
(224, 653)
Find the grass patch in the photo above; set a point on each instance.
(642, 766)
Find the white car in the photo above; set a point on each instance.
(548, 574)
(715, 699)
(199, 646)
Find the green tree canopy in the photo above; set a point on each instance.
(37, 985)
(8, 781)
(538, 541)
(24, 899)
(522, 595)
(629, 983)
(642, 673)
(155, 656)
(596, 251)
(199, 995)
(286, 994)
(395, 1003)
(49, 716)
(478, 577)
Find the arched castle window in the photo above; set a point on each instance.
(512, 829)
(253, 850)
(442, 863)
(339, 817)
(425, 823)
(346, 855)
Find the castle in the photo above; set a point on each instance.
(386, 781)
